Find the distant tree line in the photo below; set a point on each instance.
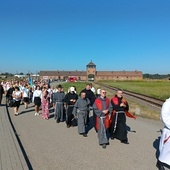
(10, 74)
(156, 76)
(7, 74)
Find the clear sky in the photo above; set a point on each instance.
(116, 35)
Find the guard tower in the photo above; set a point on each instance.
(91, 71)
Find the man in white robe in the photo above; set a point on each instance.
(164, 146)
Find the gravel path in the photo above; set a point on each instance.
(53, 146)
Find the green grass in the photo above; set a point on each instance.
(158, 89)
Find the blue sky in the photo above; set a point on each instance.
(67, 34)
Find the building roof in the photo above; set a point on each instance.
(119, 73)
(90, 64)
(63, 73)
(98, 73)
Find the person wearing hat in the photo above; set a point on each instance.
(98, 93)
(70, 99)
(58, 99)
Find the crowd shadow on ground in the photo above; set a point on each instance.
(26, 111)
(90, 125)
(51, 112)
(156, 144)
(128, 128)
(2, 104)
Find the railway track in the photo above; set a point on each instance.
(148, 99)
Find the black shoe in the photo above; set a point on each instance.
(84, 134)
(125, 142)
(112, 138)
(68, 126)
(104, 146)
(159, 165)
(57, 121)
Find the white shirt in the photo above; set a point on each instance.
(17, 93)
(8, 86)
(50, 91)
(25, 92)
(93, 89)
(37, 93)
(55, 90)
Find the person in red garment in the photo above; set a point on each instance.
(118, 107)
(101, 110)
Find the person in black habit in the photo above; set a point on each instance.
(118, 108)
(70, 99)
(90, 95)
(9, 94)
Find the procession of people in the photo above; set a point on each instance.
(109, 115)
(109, 119)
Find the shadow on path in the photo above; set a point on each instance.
(128, 128)
(19, 141)
(156, 144)
(26, 111)
(91, 124)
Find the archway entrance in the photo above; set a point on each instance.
(91, 77)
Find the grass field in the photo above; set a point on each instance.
(159, 89)
(156, 88)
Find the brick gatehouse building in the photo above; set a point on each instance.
(92, 74)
